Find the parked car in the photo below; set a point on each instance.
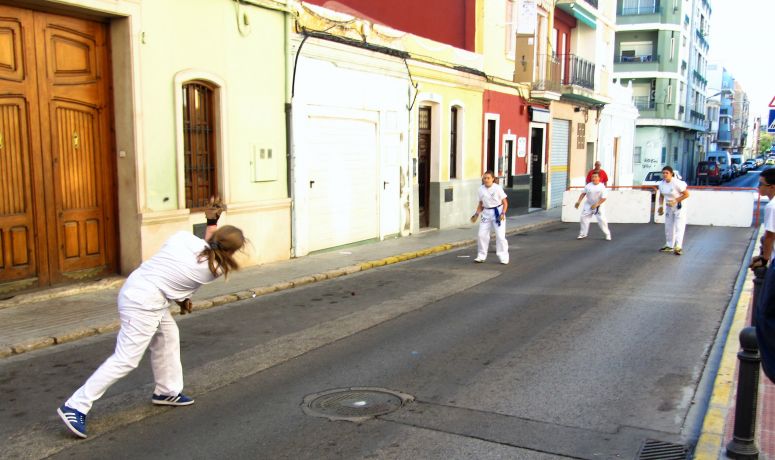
(708, 173)
(653, 178)
(770, 161)
(724, 162)
(736, 160)
(749, 165)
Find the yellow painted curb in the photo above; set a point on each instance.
(711, 442)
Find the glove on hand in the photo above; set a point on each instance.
(185, 306)
(214, 208)
(757, 262)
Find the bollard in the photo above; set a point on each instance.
(758, 281)
(743, 444)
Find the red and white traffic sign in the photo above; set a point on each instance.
(772, 102)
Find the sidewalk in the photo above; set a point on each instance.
(60, 315)
(718, 426)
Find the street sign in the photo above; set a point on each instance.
(772, 102)
(771, 122)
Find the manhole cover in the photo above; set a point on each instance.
(354, 404)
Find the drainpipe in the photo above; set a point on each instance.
(290, 159)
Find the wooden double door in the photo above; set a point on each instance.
(57, 173)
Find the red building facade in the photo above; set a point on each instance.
(447, 21)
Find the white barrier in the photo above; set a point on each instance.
(621, 207)
(722, 208)
(718, 207)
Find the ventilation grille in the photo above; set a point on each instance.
(659, 450)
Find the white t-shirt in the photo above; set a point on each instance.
(173, 273)
(595, 192)
(769, 220)
(491, 197)
(671, 190)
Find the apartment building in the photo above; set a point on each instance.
(662, 48)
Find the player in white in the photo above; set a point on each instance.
(181, 266)
(492, 208)
(596, 194)
(765, 309)
(674, 191)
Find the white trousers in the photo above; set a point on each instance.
(139, 329)
(487, 224)
(675, 225)
(587, 214)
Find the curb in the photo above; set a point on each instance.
(710, 444)
(199, 305)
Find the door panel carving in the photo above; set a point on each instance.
(57, 184)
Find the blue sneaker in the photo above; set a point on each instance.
(74, 420)
(178, 400)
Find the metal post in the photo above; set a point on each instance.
(758, 282)
(743, 444)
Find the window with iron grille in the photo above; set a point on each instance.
(199, 144)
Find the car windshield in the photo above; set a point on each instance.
(654, 176)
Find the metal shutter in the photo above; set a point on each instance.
(558, 161)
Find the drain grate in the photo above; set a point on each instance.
(354, 404)
(660, 450)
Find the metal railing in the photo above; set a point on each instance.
(636, 59)
(644, 103)
(578, 71)
(639, 9)
(548, 73)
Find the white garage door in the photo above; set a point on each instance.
(343, 206)
(558, 161)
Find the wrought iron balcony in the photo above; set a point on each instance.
(548, 73)
(578, 71)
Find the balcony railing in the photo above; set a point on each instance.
(636, 59)
(578, 71)
(644, 103)
(696, 114)
(630, 8)
(548, 73)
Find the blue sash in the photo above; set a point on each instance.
(497, 215)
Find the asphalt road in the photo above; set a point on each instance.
(750, 179)
(577, 349)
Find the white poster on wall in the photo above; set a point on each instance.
(521, 147)
(527, 17)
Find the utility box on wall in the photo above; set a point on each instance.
(264, 164)
(525, 60)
